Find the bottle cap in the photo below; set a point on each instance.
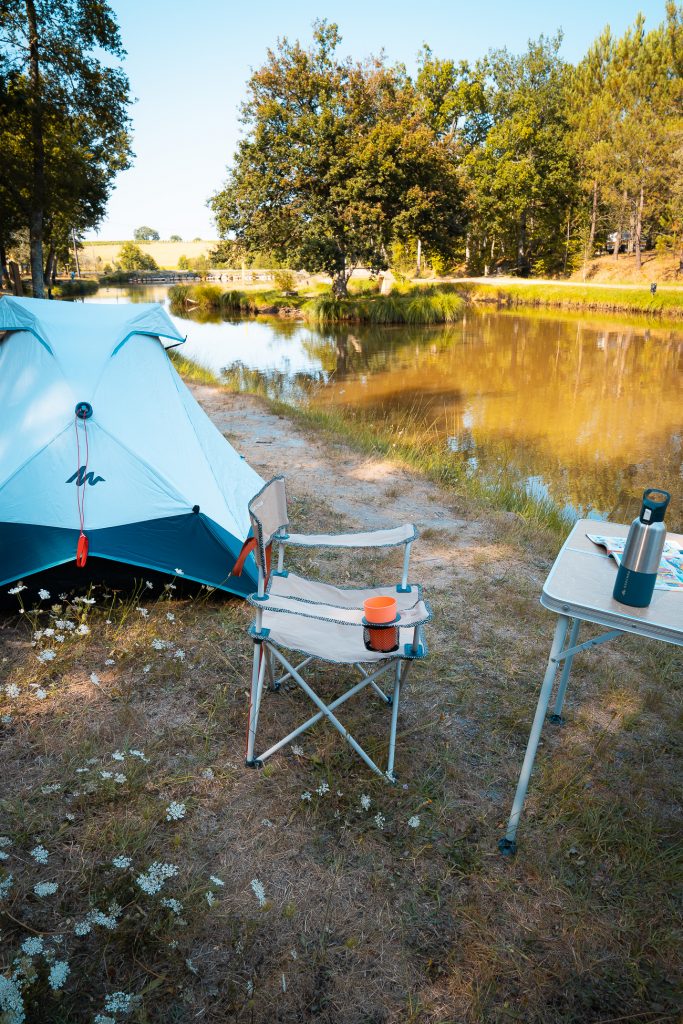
(655, 503)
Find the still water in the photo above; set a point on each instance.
(583, 410)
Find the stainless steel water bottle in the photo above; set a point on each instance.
(637, 573)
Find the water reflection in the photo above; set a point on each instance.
(585, 411)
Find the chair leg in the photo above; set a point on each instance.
(257, 674)
(394, 719)
(332, 719)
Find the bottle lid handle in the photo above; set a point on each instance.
(655, 503)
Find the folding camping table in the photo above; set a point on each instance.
(579, 589)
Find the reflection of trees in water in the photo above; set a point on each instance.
(276, 384)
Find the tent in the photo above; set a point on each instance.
(100, 437)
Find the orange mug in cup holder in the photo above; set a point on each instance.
(381, 631)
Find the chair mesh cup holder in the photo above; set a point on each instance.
(381, 636)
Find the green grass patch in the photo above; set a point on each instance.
(414, 306)
(192, 371)
(76, 288)
(665, 302)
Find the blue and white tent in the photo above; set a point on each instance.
(99, 436)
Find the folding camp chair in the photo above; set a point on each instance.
(322, 621)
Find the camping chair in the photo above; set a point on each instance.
(322, 621)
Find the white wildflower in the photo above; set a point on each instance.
(174, 905)
(146, 669)
(6, 885)
(5, 841)
(81, 771)
(143, 612)
(44, 595)
(414, 822)
(59, 972)
(48, 632)
(39, 854)
(180, 655)
(109, 661)
(119, 778)
(216, 881)
(38, 634)
(107, 921)
(45, 888)
(250, 988)
(179, 572)
(296, 749)
(139, 754)
(51, 787)
(156, 875)
(379, 821)
(83, 630)
(306, 796)
(170, 616)
(175, 811)
(3, 855)
(41, 694)
(106, 775)
(32, 946)
(210, 898)
(94, 679)
(259, 891)
(118, 1002)
(118, 755)
(122, 862)
(69, 816)
(365, 802)
(149, 585)
(12, 690)
(322, 789)
(46, 656)
(84, 600)
(59, 638)
(294, 955)
(17, 590)
(6, 719)
(208, 773)
(11, 1001)
(82, 928)
(102, 1018)
(159, 645)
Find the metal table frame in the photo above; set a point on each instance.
(579, 591)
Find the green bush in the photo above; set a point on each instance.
(131, 257)
(285, 281)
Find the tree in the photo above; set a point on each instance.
(336, 163)
(131, 257)
(522, 176)
(70, 112)
(146, 234)
(175, 238)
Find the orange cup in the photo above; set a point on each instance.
(381, 610)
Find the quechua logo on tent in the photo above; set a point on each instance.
(80, 478)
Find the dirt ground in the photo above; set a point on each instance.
(381, 904)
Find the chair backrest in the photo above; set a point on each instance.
(268, 513)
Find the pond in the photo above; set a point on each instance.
(580, 409)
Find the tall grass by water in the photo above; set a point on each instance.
(665, 302)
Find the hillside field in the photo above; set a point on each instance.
(96, 255)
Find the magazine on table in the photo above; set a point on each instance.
(670, 573)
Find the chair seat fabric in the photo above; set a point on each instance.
(329, 640)
(316, 592)
(393, 537)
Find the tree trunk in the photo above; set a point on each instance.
(522, 243)
(594, 219)
(340, 285)
(5, 279)
(15, 274)
(38, 158)
(639, 227)
(50, 270)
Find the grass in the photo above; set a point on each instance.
(419, 305)
(97, 254)
(665, 302)
(192, 371)
(360, 923)
(76, 288)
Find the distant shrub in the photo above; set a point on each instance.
(131, 257)
(285, 281)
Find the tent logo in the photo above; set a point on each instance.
(81, 478)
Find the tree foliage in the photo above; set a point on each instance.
(63, 120)
(336, 162)
(132, 257)
(147, 234)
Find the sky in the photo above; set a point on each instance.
(188, 64)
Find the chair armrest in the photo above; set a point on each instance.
(365, 539)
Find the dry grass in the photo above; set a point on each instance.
(166, 254)
(361, 924)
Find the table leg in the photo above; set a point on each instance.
(508, 844)
(556, 717)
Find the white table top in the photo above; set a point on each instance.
(581, 582)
